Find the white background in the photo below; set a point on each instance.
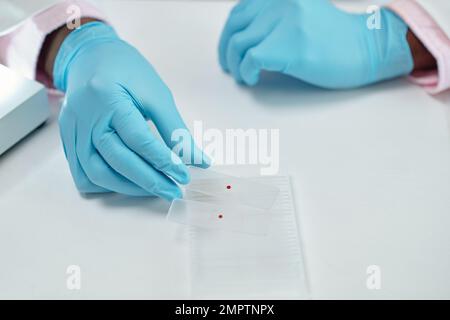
(370, 167)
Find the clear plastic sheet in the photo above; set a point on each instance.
(220, 215)
(227, 265)
(232, 189)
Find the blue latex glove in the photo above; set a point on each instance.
(111, 90)
(314, 41)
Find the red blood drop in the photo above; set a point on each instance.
(228, 187)
(220, 216)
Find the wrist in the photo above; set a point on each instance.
(76, 44)
(423, 59)
(51, 47)
(392, 54)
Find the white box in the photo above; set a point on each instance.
(23, 107)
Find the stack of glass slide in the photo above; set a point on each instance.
(243, 237)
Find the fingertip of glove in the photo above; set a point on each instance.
(172, 194)
(224, 68)
(251, 81)
(205, 163)
(180, 174)
(184, 178)
(223, 63)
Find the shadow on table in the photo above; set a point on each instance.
(281, 91)
(276, 90)
(116, 203)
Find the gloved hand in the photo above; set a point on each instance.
(111, 90)
(314, 41)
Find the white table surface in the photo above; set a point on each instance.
(370, 168)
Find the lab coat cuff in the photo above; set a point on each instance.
(20, 48)
(433, 38)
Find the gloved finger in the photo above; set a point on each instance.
(242, 41)
(262, 57)
(134, 168)
(134, 131)
(68, 137)
(239, 18)
(171, 127)
(100, 172)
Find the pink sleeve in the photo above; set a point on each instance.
(19, 49)
(433, 38)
